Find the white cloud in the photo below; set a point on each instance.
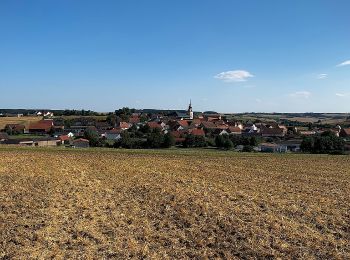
(342, 94)
(300, 94)
(322, 76)
(258, 100)
(234, 75)
(345, 63)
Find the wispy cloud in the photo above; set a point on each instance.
(342, 94)
(322, 76)
(300, 94)
(258, 100)
(345, 63)
(234, 76)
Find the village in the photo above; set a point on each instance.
(128, 128)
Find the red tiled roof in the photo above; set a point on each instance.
(134, 120)
(196, 121)
(154, 125)
(272, 131)
(197, 132)
(234, 129)
(219, 122)
(346, 131)
(178, 133)
(208, 125)
(180, 140)
(41, 125)
(81, 140)
(124, 125)
(224, 127)
(209, 118)
(64, 137)
(183, 123)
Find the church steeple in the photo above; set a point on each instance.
(190, 111)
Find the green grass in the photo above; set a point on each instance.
(23, 136)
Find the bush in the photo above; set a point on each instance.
(155, 139)
(194, 141)
(224, 141)
(228, 144)
(210, 142)
(168, 141)
(93, 137)
(220, 141)
(248, 148)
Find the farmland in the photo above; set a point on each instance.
(26, 120)
(57, 203)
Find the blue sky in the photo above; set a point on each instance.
(226, 55)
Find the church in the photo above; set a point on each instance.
(185, 115)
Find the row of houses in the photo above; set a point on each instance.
(198, 126)
(178, 124)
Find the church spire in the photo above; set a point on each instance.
(190, 112)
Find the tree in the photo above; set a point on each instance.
(307, 144)
(220, 141)
(51, 131)
(8, 130)
(228, 144)
(124, 113)
(92, 136)
(133, 128)
(143, 118)
(168, 141)
(194, 141)
(155, 139)
(254, 141)
(145, 129)
(189, 141)
(248, 148)
(112, 119)
(125, 140)
(327, 142)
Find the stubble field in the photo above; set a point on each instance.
(18, 120)
(99, 204)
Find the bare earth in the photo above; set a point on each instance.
(172, 204)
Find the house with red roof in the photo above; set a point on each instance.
(81, 143)
(208, 125)
(64, 139)
(124, 125)
(234, 130)
(344, 132)
(42, 126)
(134, 120)
(154, 124)
(197, 132)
